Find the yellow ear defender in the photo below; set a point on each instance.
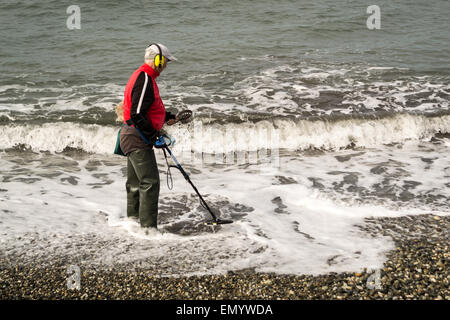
(159, 58)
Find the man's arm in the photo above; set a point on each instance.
(142, 97)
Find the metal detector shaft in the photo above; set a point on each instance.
(186, 176)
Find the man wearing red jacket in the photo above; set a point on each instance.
(144, 115)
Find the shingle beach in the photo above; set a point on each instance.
(416, 269)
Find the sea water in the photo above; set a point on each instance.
(306, 123)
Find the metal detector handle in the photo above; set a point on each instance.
(178, 165)
(160, 142)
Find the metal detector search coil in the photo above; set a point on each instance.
(185, 116)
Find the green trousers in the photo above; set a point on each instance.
(143, 187)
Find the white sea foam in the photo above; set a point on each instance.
(351, 86)
(386, 68)
(231, 137)
(311, 229)
(280, 90)
(60, 98)
(55, 137)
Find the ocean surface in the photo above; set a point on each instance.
(306, 122)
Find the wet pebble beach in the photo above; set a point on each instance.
(416, 269)
(321, 132)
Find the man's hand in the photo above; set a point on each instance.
(173, 121)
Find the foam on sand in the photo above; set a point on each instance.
(284, 223)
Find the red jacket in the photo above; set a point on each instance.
(142, 106)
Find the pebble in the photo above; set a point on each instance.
(416, 269)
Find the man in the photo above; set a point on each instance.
(144, 115)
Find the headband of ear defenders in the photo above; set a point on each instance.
(159, 58)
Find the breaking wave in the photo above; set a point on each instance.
(246, 136)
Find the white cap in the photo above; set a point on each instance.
(153, 50)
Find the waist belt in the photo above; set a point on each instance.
(129, 124)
